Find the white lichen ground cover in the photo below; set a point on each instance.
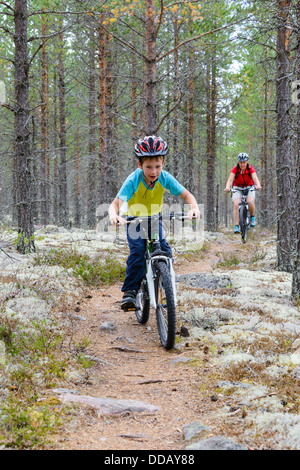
(29, 291)
(252, 329)
(250, 326)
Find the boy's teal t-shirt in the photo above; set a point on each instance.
(143, 201)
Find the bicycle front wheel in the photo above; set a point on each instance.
(165, 310)
(243, 224)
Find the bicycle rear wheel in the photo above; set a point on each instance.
(165, 310)
(143, 303)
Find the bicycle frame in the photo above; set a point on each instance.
(151, 276)
(158, 288)
(152, 257)
(244, 202)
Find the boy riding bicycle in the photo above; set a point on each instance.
(142, 194)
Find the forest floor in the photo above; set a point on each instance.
(135, 366)
(234, 369)
(191, 384)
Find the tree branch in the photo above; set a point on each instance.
(259, 43)
(44, 42)
(6, 30)
(7, 58)
(8, 106)
(160, 15)
(7, 6)
(181, 3)
(187, 41)
(169, 112)
(126, 44)
(46, 38)
(51, 12)
(130, 27)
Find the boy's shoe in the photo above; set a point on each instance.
(128, 301)
(236, 229)
(252, 221)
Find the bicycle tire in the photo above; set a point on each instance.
(165, 310)
(242, 221)
(247, 224)
(142, 310)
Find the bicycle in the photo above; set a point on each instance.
(158, 288)
(244, 214)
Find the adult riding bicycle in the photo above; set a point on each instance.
(158, 288)
(244, 214)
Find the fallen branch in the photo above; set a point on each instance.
(263, 396)
(154, 381)
(126, 349)
(135, 437)
(10, 257)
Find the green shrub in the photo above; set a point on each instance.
(34, 361)
(227, 260)
(27, 427)
(93, 271)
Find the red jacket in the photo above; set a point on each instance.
(245, 179)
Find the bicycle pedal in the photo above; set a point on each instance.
(128, 309)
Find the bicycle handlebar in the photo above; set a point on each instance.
(173, 215)
(249, 188)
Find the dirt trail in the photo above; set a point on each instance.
(135, 366)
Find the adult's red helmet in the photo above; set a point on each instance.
(151, 146)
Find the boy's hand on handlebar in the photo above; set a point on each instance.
(227, 189)
(117, 220)
(194, 213)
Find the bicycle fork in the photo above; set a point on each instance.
(245, 204)
(151, 275)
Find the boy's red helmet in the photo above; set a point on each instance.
(151, 146)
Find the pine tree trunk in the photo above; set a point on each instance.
(296, 267)
(91, 171)
(110, 149)
(1, 199)
(23, 189)
(34, 152)
(176, 98)
(63, 203)
(213, 134)
(150, 34)
(77, 211)
(191, 121)
(102, 113)
(134, 132)
(226, 194)
(211, 142)
(264, 161)
(283, 145)
(55, 141)
(184, 173)
(44, 129)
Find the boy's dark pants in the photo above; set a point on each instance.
(135, 270)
